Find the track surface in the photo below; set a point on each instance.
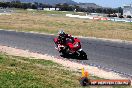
(113, 55)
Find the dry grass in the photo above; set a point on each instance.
(45, 22)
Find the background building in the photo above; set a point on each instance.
(127, 10)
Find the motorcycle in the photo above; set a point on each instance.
(71, 47)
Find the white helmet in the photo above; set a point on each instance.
(61, 32)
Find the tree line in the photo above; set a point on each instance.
(62, 7)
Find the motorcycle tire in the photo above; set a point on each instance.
(64, 53)
(83, 55)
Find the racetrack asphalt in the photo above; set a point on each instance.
(112, 55)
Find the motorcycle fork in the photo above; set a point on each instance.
(78, 53)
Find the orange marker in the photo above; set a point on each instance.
(84, 73)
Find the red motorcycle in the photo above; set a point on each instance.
(71, 47)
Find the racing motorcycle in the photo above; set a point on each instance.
(71, 47)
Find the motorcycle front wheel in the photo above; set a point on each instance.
(82, 55)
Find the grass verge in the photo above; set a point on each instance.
(20, 72)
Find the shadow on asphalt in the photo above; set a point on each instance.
(73, 57)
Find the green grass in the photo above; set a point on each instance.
(45, 12)
(20, 72)
(15, 73)
(43, 62)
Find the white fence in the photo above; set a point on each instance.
(120, 19)
(78, 16)
(101, 18)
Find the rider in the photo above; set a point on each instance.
(62, 37)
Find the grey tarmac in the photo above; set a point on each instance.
(115, 56)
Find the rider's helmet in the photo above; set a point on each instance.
(61, 32)
(61, 35)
